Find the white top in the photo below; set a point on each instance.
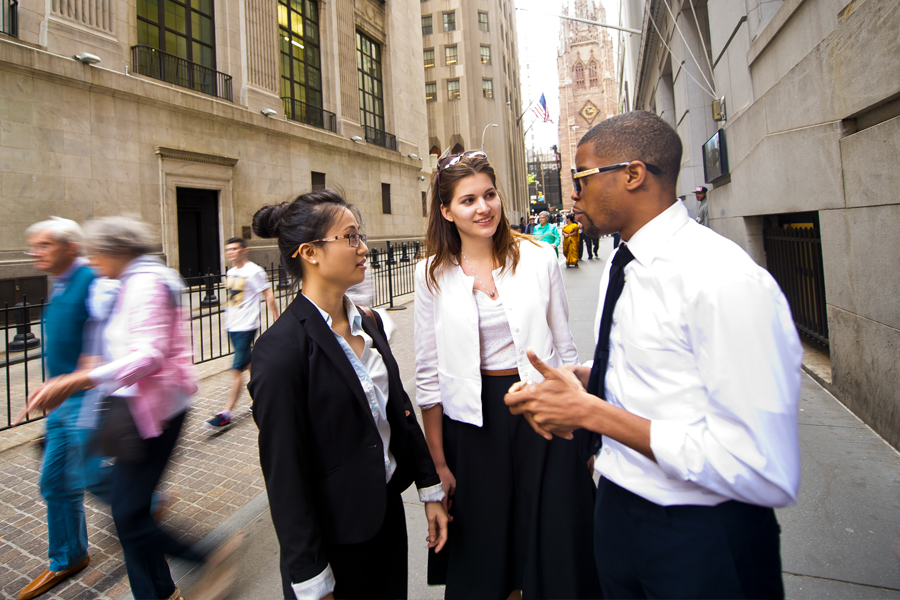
(708, 352)
(498, 352)
(244, 287)
(448, 342)
(373, 375)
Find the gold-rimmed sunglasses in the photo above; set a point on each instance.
(353, 239)
(576, 175)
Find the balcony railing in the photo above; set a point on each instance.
(149, 61)
(381, 138)
(9, 17)
(309, 114)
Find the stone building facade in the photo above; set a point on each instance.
(201, 111)
(470, 56)
(587, 82)
(807, 124)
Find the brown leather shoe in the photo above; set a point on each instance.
(48, 579)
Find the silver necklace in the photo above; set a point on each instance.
(484, 287)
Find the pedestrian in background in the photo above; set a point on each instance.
(55, 246)
(571, 241)
(148, 383)
(699, 366)
(702, 210)
(245, 284)
(591, 243)
(547, 232)
(521, 505)
(338, 437)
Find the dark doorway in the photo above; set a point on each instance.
(198, 231)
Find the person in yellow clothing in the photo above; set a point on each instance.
(571, 238)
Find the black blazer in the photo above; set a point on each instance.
(319, 449)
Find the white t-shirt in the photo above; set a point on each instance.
(244, 286)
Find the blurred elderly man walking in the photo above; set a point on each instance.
(55, 246)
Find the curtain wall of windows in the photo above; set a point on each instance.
(371, 93)
(183, 28)
(301, 66)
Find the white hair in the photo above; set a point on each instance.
(118, 236)
(65, 231)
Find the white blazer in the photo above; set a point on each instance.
(448, 354)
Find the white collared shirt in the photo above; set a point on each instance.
(447, 337)
(703, 345)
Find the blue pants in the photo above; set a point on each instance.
(144, 543)
(68, 469)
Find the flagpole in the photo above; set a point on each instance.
(526, 109)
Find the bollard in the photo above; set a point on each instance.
(417, 250)
(23, 339)
(375, 263)
(405, 255)
(210, 299)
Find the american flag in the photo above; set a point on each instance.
(540, 110)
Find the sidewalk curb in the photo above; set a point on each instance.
(185, 573)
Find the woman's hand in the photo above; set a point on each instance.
(54, 392)
(448, 481)
(437, 525)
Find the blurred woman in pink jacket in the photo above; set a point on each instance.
(147, 367)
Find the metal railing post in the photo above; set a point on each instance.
(24, 339)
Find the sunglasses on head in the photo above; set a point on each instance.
(449, 161)
(576, 175)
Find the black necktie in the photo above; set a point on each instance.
(597, 382)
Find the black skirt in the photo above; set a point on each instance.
(523, 510)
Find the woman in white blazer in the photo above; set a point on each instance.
(522, 506)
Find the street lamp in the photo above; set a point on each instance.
(485, 131)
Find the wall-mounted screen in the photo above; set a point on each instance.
(715, 158)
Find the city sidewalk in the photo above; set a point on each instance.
(842, 540)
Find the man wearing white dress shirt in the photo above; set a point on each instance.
(697, 404)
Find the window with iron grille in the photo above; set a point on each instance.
(485, 55)
(371, 94)
(426, 25)
(451, 55)
(298, 39)
(592, 74)
(429, 57)
(386, 198)
(483, 21)
(579, 76)
(180, 27)
(453, 89)
(450, 21)
(487, 88)
(430, 92)
(318, 181)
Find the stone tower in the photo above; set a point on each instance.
(587, 81)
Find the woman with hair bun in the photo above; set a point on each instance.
(338, 438)
(522, 505)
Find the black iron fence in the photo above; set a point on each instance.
(392, 270)
(309, 114)
(152, 62)
(794, 258)
(9, 17)
(380, 138)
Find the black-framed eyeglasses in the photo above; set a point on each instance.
(353, 239)
(576, 175)
(449, 161)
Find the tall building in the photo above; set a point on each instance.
(587, 81)
(789, 114)
(194, 113)
(470, 56)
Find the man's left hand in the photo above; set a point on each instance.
(556, 405)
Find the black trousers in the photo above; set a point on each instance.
(644, 550)
(144, 544)
(377, 568)
(593, 245)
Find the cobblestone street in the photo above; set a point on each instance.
(213, 474)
